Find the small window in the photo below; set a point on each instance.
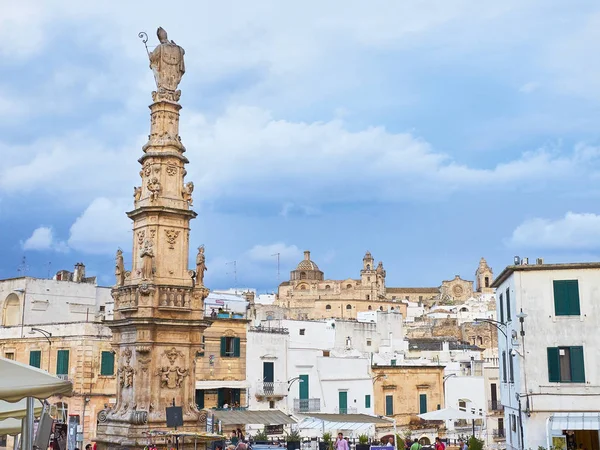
(9, 355)
(327, 306)
(326, 353)
(271, 404)
(302, 331)
(566, 365)
(368, 342)
(303, 275)
(369, 308)
(348, 306)
(508, 311)
(102, 308)
(303, 287)
(393, 362)
(511, 369)
(392, 308)
(504, 366)
(230, 347)
(62, 362)
(367, 401)
(487, 282)
(35, 358)
(348, 286)
(566, 298)
(327, 286)
(381, 308)
(107, 364)
(368, 266)
(501, 307)
(422, 403)
(389, 405)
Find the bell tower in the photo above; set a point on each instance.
(159, 304)
(484, 277)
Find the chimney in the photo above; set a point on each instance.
(539, 261)
(307, 255)
(79, 273)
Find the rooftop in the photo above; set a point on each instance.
(508, 271)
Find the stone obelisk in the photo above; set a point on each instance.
(159, 304)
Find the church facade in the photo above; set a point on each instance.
(309, 295)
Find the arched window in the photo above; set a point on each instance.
(464, 309)
(348, 306)
(327, 306)
(487, 281)
(303, 275)
(12, 308)
(303, 287)
(392, 308)
(327, 286)
(348, 286)
(369, 308)
(381, 308)
(269, 317)
(368, 266)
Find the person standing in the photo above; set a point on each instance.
(341, 443)
(416, 445)
(439, 445)
(462, 445)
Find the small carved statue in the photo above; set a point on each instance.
(137, 193)
(200, 266)
(147, 255)
(166, 61)
(154, 188)
(380, 270)
(119, 268)
(187, 193)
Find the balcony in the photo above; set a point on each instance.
(498, 433)
(271, 390)
(495, 405)
(274, 330)
(306, 405)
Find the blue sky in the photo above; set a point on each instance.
(430, 133)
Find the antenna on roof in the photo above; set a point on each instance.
(277, 254)
(23, 267)
(234, 273)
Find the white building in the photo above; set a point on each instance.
(550, 378)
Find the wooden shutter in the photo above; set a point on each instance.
(223, 346)
(501, 303)
(508, 313)
(235, 396)
(220, 398)
(566, 298)
(236, 347)
(107, 364)
(422, 403)
(572, 288)
(577, 366)
(367, 401)
(511, 366)
(35, 358)
(200, 398)
(62, 362)
(504, 366)
(389, 405)
(303, 387)
(553, 365)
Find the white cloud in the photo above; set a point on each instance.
(43, 239)
(266, 253)
(528, 88)
(579, 231)
(103, 227)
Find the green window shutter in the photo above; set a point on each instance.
(566, 298)
(107, 364)
(422, 403)
(200, 398)
(367, 401)
(577, 366)
(236, 396)
(553, 365)
(35, 358)
(504, 366)
(511, 366)
(303, 387)
(508, 314)
(220, 398)
(343, 402)
(501, 303)
(236, 347)
(62, 362)
(389, 405)
(223, 346)
(573, 297)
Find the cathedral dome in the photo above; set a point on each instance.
(306, 263)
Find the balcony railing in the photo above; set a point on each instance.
(274, 330)
(499, 433)
(347, 410)
(495, 405)
(305, 405)
(271, 389)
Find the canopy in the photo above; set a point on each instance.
(197, 436)
(575, 421)
(449, 414)
(342, 421)
(11, 426)
(16, 410)
(20, 380)
(246, 417)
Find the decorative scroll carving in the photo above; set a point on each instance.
(172, 237)
(172, 355)
(140, 238)
(171, 170)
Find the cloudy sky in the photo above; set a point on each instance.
(431, 133)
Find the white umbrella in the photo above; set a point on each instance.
(20, 380)
(449, 414)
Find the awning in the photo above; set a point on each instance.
(218, 384)
(17, 410)
(341, 421)
(11, 427)
(449, 414)
(20, 380)
(246, 417)
(575, 421)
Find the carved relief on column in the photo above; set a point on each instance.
(125, 371)
(172, 237)
(186, 193)
(172, 376)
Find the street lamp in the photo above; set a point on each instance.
(381, 375)
(44, 333)
(291, 381)
(521, 316)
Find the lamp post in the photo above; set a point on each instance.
(47, 335)
(291, 381)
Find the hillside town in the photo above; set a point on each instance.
(505, 358)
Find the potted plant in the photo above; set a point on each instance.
(326, 442)
(293, 440)
(261, 437)
(363, 442)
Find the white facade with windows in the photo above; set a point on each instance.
(549, 357)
